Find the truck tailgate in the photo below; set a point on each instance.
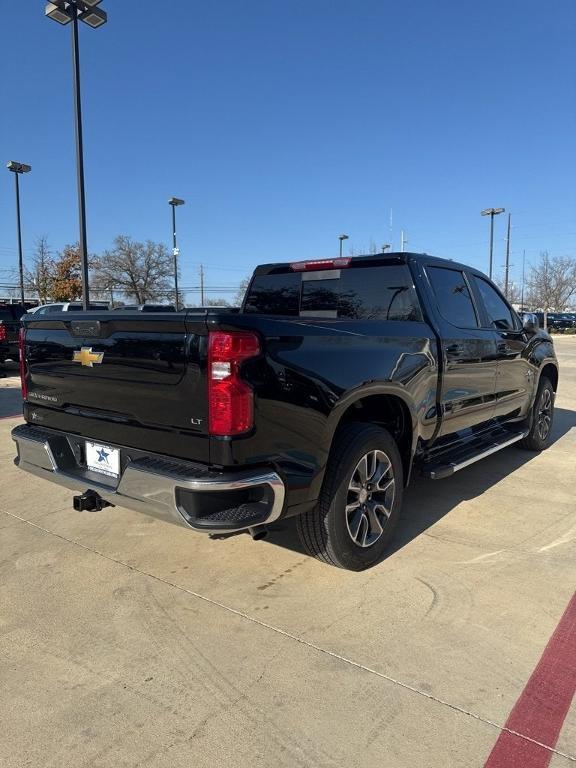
(130, 379)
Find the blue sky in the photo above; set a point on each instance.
(284, 124)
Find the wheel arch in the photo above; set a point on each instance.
(386, 409)
(550, 371)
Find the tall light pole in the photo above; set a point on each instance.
(507, 268)
(175, 202)
(491, 212)
(17, 169)
(342, 238)
(64, 12)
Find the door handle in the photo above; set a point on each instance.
(454, 349)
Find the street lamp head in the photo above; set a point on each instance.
(63, 12)
(176, 201)
(492, 211)
(94, 17)
(343, 237)
(57, 11)
(18, 167)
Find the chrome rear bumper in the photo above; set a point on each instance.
(157, 485)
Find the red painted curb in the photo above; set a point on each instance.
(544, 703)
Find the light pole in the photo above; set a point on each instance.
(17, 169)
(386, 247)
(175, 202)
(491, 212)
(342, 238)
(64, 12)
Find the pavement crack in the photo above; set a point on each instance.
(301, 640)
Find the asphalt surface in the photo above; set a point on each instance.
(125, 641)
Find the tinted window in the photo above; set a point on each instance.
(6, 313)
(499, 313)
(274, 294)
(54, 308)
(362, 293)
(11, 312)
(454, 300)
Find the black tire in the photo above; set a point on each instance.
(542, 418)
(327, 531)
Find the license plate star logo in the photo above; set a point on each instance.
(87, 358)
(102, 456)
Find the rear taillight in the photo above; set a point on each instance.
(230, 398)
(23, 369)
(3, 333)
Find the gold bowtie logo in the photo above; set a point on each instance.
(87, 358)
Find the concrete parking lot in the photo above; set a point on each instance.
(125, 641)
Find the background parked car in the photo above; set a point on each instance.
(68, 306)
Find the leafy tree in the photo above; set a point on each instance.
(65, 280)
(142, 271)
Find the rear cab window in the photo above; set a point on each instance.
(360, 292)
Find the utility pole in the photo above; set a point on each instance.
(403, 241)
(523, 265)
(491, 212)
(391, 228)
(507, 272)
(201, 285)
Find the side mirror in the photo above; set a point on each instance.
(530, 323)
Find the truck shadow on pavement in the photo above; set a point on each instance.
(428, 501)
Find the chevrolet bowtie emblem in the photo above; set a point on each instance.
(87, 357)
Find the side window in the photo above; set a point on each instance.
(453, 297)
(54, 308)
(499, 313)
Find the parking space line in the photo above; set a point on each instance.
(308, 644)
(544, 703)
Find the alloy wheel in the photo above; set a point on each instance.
(370, 498)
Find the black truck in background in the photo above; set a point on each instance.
(10, 315)
(335, 381)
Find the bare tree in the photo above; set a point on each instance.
(514, 290)
(216, 303)
(139, 270)
(241, 292)
(552, 282)
(39, 277)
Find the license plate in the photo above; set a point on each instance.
(103, 459)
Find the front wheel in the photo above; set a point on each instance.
(540, 434)
(354, 520)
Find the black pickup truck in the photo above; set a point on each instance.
(10, 315)
(318, 398)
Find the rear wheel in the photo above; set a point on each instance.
(354, 520)
(540, 434)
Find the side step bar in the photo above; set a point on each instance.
(441, 468)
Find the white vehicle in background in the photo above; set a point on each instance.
(68, 306)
